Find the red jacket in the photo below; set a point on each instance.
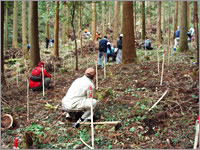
(37, 71)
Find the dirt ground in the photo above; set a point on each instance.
(126, 95)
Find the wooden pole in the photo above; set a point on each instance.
(98, 123)
(27, 100)
(162, 68)
(87, 61)
(158, 60)
(92, 125)
(96, 74)
(104, 66)
(43, 80)
(196, 135)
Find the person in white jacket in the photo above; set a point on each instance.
(78, 96)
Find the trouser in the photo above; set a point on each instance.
(101, 62)
(119, 57)
(47, 44)
(148, 47)
(85, 107)
(176, 42)
(46, 85)
(113, 57)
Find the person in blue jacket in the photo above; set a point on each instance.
(102, 51)
(110, 52)
(177, 37)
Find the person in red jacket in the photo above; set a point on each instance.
(35, 81)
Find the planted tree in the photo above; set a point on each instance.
(6, 26)
(159, 38)
(183, 29)
(176, 17)
(116, 20)
(129, 51)
(196, 29)
(103, 19)
(56, 31)
(93, 21)
(35, 50)
(47, 23)
(143, 20)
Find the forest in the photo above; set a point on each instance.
(147, 88)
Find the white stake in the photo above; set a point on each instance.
(158, 61)
(92, 125)
(27, 100)
(96, 74)
(145, 48)
(104, 66)
(43, 79)
(159, 100)
(162, 68)
(196, 135)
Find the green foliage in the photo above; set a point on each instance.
(36, 128)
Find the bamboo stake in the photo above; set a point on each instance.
(104, 66)
(96, 74)
(86, 143)
(158, 100)
(17, 75)
(27, 100)
(196, 135)
(92, 125)
(162, 68)
(98, 123)
(43, 80)
(158, 61)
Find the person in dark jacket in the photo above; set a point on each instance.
(176, 36)
(102, 51)
(119, 52)
(147, 44)
(35, 80)
(47, 42)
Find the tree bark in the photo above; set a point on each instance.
(163, 17)
(159, 38)
(183, 29)
(116, 20)
(129, 51)
(93, 21)
(143, 20)
(6, 27)
(64, 24)
(176, 18)
(56, 31)
(179, 13)
(188, 16)
(72, 23)
(24, 30)
(121, 16)
(47, 24)
(103, 19)
(34, 42)
(2, 35)
(14, 43)
(196, 29)
(149, 12)
(67, 23)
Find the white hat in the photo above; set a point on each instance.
(121, 35)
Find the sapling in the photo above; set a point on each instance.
(92, 125)
(27, 100)
(162, 67)
(43, 80)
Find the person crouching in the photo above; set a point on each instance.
(78, 98)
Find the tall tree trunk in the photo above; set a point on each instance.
(109, 15)
(47, 24)
(129, 51)
(14, 42)
(67, 23)
(6, 26)
(196, 29)
(64, 24)
(149, 12)
(79, 20)
(188, 16)
(159, 38)
(143, 20)
(176, 18)
(93, 21)
(81, 40)
(103, 19)
(116, 20)
(179, 13)
(34, 42)
(121, 16)
(163, 17)
(2, 35)
(56, 31)
(72, 23)
(134, 17)
(183, 29)
(24, 30)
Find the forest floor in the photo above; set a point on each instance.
(126, 95)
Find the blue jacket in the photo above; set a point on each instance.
(103, 45)
(177, 34)
(108, 50)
